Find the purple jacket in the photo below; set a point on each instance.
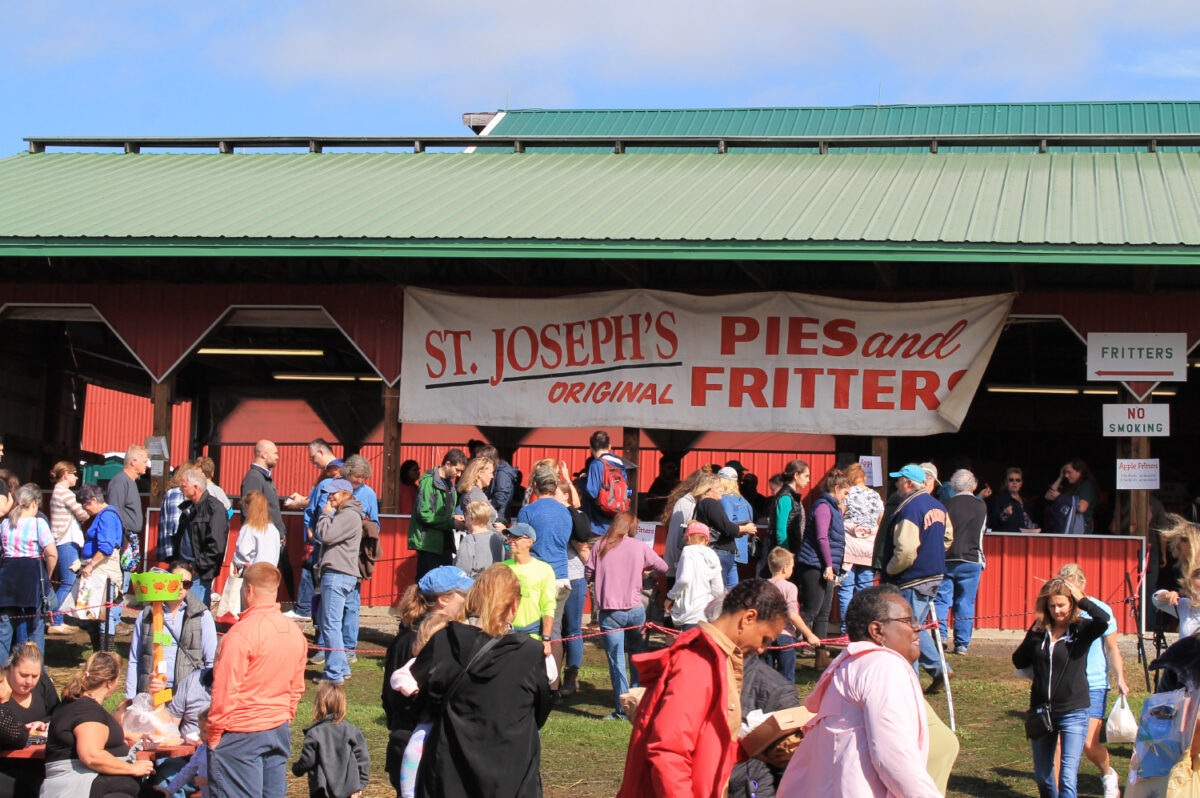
(618, 574)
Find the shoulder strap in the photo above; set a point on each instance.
(486, 647)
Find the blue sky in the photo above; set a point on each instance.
(369, 67)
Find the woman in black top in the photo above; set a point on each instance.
(85, 747)
(710, 512)
(1056, 649)
(28, 697)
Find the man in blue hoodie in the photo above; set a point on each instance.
(914, 555)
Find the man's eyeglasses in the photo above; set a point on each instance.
(908, 620)
(187, 583)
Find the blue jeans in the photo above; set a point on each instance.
(202, 589)
(784, 659)
(16, 630)
(1072, 728)
(857, 578)
(572, 624)
(619, 645)
(350, 620)
(958, 593)
(337, 589)
(728, 568)
(251, 764)
(68, 555)
(305, 593)
(923, 610)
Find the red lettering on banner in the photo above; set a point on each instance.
(747, 383)
(839, 330)
(944, 340)
(602, 333)
(701, 386)
(797, 335)
(808, 385)
(954, 378)
(841, 387)
(736, 330)
(779, 396)
(574, 336)
(634, 336)
(550, 343)
(667, 334)
(872, 390)
(921, 385)
(435, 353)
(605, 392)
(512, 348)
(773, 335)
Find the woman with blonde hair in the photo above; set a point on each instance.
(1056, 648)
(472, 486)
(66, 515)
(492, 694)
(864, 511)
(27, 566)
(258, 540)
(85, 747)
(681, 509)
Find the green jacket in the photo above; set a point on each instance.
(433, 513)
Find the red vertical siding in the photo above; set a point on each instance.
(113, 420)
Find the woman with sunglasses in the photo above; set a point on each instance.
(1056, 649)
(1009, 510)
(193, 631)
(870, 734)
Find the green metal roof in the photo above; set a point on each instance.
(1137, 206)
(967, 118)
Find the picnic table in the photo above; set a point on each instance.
(159, 752)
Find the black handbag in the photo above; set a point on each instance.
(1038, 722)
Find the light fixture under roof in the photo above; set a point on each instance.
(1032, 389)
(262, 352)
(291, 377)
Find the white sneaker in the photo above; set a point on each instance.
(294, 616)
(1112, 784)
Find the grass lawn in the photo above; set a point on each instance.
(583, 755)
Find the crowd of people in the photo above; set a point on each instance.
(490, 635)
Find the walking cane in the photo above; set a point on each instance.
(937, 639)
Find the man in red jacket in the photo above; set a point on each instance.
(684, 741)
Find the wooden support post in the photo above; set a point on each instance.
(161, 394)
(879, 448)
(631, 448)
(390, 479)
(1139, 500)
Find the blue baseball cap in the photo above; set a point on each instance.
(445, 578)
(339, 484)
(522, 530)
(911, 471)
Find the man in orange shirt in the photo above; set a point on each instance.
(258, 679)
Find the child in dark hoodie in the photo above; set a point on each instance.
(335, 753)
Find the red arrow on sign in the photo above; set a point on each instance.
(1124, 374)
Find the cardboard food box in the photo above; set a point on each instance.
(777, 725)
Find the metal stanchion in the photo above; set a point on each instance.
(937, 639)
(106, 639)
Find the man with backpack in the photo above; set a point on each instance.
(607, 489)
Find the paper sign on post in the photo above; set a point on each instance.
(645, 532)
(1137, 474)
(872, 467)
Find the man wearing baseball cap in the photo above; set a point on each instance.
(535, 613)
(914, 555)
(339, 532)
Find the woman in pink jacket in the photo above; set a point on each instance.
(869, 737)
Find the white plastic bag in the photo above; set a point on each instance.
(1122, 726)
(551, 668)
(142, 718)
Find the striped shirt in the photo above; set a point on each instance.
(27, 538)
(168, 522)
(66, 514)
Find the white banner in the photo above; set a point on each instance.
(767, 362)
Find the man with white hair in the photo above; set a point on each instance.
(203, 531)
(964, 560)
(122, 494)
